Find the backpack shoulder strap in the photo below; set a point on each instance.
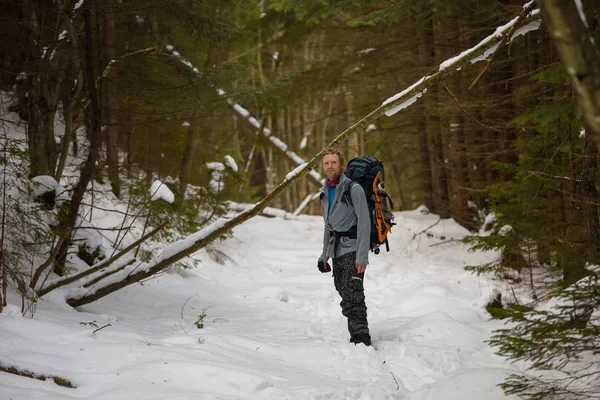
(347, 196)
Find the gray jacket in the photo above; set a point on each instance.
(342, 217)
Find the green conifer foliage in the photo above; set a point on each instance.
(559, 345)
(547, 218)
(540, 207)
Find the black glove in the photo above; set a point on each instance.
(324, 266)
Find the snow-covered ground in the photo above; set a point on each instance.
(272, 327)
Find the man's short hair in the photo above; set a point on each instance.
(338, 153)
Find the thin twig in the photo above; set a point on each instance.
(554, 177)
(514, 295)
(397, 384)
(181, 312)
(466, 112)
(426, 229)
(105, 209)
(117, 241)
(445, 241)
(102, 327)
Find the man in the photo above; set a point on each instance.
(346, 240)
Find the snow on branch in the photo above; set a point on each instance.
(579, 5)
(189, 245)
(512, 30)
(476, 53)
(102, 265)
(246, 115)
(275, 141)
(311, 197)
(507, 31)
(113, 63)
(270, 212)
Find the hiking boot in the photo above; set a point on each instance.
(363, 338)
(358, 328)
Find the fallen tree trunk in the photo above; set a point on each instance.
(95, 268)
(200, 239)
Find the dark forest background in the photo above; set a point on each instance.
(142, 90)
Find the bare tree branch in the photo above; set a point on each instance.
(99, 266)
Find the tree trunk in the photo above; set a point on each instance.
(40, 128)
(70, 113)
(44, 82)
(65, 142)
(426, 59)
(193, 138)
(458, 183)
(287, 132)
(354, 148)
(578, 54)
(111, 105)
(439, 171)
(130, 158)
(93, 118)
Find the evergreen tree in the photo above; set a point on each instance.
(559, 345)
(547, 217)
(541, 207)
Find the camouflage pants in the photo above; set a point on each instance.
(349, 284)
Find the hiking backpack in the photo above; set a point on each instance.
(368, 172)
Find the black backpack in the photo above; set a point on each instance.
(368, 172)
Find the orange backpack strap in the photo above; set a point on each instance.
(382, 227)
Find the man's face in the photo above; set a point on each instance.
(332, 167)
